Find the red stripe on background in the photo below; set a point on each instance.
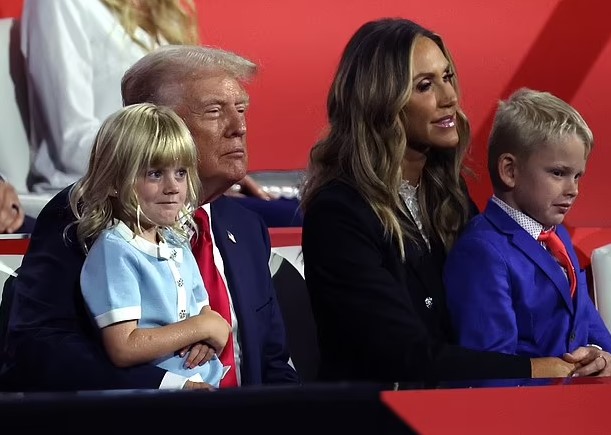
(559, 59)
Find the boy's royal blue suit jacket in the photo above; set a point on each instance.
(507, 293)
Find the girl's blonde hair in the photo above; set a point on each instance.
(173, 20)
(130, 142)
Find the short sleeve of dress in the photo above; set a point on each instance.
(109, 281)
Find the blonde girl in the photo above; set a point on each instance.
(140, 280)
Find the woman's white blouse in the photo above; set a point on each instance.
(76, 53)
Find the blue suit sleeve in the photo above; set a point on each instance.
(479, 296)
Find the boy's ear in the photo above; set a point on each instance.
(507, 165)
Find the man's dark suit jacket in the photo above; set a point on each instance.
(53, 344)
(378, 318)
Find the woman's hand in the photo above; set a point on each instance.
(247, 186)
(551, 367)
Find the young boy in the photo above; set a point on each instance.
(510, 288)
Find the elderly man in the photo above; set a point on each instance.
(51, 341)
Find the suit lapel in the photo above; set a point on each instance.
(227, 249)
(531, 248)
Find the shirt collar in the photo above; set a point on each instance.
(530, 225)
(161, 250)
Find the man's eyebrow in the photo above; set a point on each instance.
(213, 100)
(220, 101)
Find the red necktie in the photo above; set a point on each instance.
(217, 291)
(558, 250)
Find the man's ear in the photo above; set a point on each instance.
(508, 168)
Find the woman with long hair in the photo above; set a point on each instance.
(384, 200)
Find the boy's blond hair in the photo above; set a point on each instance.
(529, 119)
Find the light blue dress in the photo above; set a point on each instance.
(126, 277)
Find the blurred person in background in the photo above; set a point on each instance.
(76, 52)
(12, 216)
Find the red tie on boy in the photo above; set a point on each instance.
(217, 291)
(558, 250)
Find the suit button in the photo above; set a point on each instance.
(428, 302)
(572, 336)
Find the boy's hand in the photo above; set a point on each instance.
(589, 360)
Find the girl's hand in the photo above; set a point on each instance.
(217, 329)
(197, 354)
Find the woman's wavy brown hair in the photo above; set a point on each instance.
(367, 135)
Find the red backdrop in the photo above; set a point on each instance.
(562, 46)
